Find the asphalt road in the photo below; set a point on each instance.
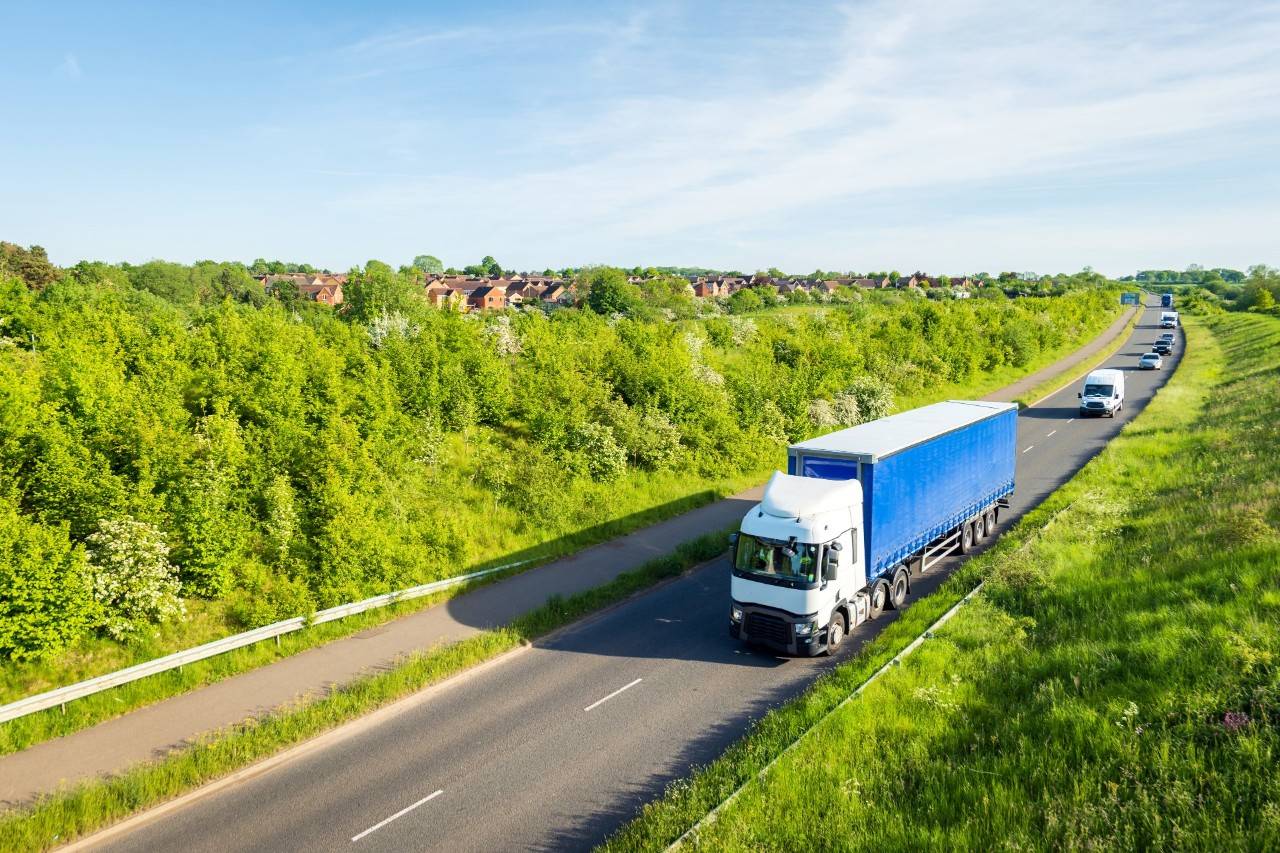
(557, 746)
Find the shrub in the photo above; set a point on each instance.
(46, 597)
(594, 450)
(133, 579)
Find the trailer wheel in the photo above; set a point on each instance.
(966, 538)
(879, 598)
(898, 592)
(989, 522)
(835, 633)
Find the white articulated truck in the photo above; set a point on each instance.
(833, 541)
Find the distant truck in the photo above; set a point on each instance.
(1166, 300)
(1168, 319)
(832, 542)
(1103, 393)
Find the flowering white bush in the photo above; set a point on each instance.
(703, 372)
(386, 324)
(505, 339)
(133, 579)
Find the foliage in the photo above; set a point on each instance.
(133, 580)
(295, 457)
(46, 598)
(30, 264)
(609, 292)
(428, 264)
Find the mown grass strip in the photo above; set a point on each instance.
(1117, 685)
(1065, 377)
(81, 810)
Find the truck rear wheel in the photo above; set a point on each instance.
(835, 633)
(898, 592)
(879, 598)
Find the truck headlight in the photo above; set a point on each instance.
(804, 629)
(736, 614)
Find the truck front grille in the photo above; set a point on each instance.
(762, 626)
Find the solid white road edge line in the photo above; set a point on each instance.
(611, 695)
(711, 816)
(428, 798)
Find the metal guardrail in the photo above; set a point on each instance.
(62, 695)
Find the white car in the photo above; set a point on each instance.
(1151, 361)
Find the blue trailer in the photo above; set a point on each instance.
(922, 472)
(835, 540)
(1166, 300)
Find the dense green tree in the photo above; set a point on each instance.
(609, 292)
(30, 264)
(428, 264)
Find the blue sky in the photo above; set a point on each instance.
(951, 137)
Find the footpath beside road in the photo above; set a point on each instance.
(153, 731)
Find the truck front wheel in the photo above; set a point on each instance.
(835, 633)
(879, 598)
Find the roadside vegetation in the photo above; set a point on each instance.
(85, 808)
(182, 457)
(1116, 684)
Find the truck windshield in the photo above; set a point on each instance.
(1098, 390)
(770, 560)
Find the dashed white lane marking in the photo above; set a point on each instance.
(1051, 435)
(1070, 421)
(599, 702)
(1028, 447)
(428, 798)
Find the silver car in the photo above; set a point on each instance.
(1151, 361)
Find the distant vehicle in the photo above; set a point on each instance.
(1103, 393)
(832, 543)
(1166, 300)
(1162, 348)
(1168, 336)
(1151, 361)
(1169, 319)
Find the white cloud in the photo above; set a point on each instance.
(903, 98)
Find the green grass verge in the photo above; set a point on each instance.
(26, 731)
(84, 809)
(1115, 686)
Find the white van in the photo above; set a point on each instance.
(1103, 393)
(1169, 319)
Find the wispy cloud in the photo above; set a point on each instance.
(903, 97)
(69, 67)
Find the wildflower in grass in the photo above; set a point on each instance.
(1234, 721)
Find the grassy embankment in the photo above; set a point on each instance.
(1116, 684)
(633, 503)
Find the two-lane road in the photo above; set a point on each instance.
(556, 746)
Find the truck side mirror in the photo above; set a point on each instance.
(831, 565)
(1079, 396)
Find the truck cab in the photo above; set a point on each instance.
(1169, 320)
(798, 564)
(1103, 393)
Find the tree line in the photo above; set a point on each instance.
(170, 435)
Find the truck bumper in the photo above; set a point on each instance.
(777, 637)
